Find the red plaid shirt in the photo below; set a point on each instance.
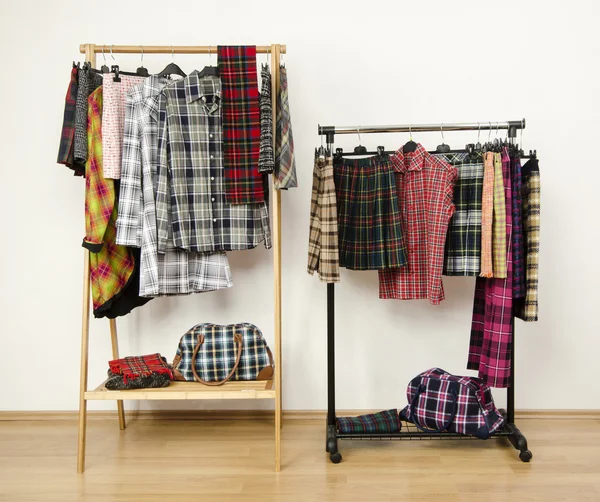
(425, 186)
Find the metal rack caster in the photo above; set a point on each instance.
(525, 455)
(335, 457)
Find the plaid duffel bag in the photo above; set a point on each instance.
(213, 354)
(439, 401)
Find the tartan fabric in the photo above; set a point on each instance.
(113, 122)
(113, 272)
(175, 272)
(476, 414)
(89, 81)
(492, 324)
(285, 160)
(266, 158)
(67, 135)
(241, 124)
(518, 244)
(217, 356)
(369, 223)
(382, 422)
(499, 223)
(136, 366)
(487, 215)
(425, 187)
(527, 308)
(323, 251)
(191, 190)
(462, 256)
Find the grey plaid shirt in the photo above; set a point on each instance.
(191, 184)
(176, 271)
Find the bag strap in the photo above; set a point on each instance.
(413, 415)
(238, 341)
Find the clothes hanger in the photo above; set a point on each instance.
(478, 145)
(171, 68)
(360, 150)
(443, 148)
(209, 71)
(411, 146)
(141, 71)
(104, 68)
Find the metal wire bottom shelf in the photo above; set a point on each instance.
(410, 432)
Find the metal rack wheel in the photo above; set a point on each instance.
(335, 457)
(525, 455)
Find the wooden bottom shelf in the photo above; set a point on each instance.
(188, 390)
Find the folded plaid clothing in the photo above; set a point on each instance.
(140, 366)
(383, 422)
(154, 380)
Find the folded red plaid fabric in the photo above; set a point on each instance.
(241, 124)
(135, 366)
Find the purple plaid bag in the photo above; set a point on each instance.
(440, 402)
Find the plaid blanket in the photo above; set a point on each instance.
(135, 366)
(241, 124)
(383, 422)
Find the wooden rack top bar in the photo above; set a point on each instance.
(166, 49)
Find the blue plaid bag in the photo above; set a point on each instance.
(212, 354)
(441, 402)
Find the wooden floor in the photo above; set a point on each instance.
(198, 460)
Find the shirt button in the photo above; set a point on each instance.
(212, 156)
(213, 199)
(210, 135)
(212, 178)
(215, 220)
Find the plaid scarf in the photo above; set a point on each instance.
(136, 366)
(241, 124)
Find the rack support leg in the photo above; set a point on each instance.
(83, 375)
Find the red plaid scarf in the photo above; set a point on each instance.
(241, 124)
(136, 366)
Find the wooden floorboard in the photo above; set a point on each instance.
(232, 460)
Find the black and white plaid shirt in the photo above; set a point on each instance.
(176, 271)
(190, 174)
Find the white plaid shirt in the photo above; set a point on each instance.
(176, 271)
(191, 186)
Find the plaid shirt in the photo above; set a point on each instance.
(176, 271)
(527, 308)
(499, 224)
(463, 243)
(241, 124)
(285, 161)
(88, 82)
(112, 267)
(492, 325)
(487, 215)
(518, 244)
(425, 186)
(190, 174)
(323, 252)
(266, 159)
(113, 119)
(66, 147)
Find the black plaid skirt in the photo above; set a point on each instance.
(369, 223)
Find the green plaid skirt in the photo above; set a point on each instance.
(369, 223)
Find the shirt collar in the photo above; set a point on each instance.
(411, 161)
(197, 87)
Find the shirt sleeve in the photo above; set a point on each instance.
(162, 175)
(129, 228)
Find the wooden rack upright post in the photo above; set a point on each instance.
(186, 390)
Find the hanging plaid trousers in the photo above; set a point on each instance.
(323, 252)
(518, 243)
(487, 215)
(67, 137)
(499, 223)
(241, 124)
(492, 324)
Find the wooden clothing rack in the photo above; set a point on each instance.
(185, 390)
(510, 431)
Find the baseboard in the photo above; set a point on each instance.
(49, 416)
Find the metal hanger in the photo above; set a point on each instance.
(443, 148)
(104, 68)
(411, 146)
(141, 71)
(360, 150)
(171, 68)
(209, 70)
(478, 145)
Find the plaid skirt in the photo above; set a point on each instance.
(369, 222)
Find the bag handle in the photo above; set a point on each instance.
(413, 404)
(238, 341)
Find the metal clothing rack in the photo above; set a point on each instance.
(510, 431)
(269, 389)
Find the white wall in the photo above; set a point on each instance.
(349, 63)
